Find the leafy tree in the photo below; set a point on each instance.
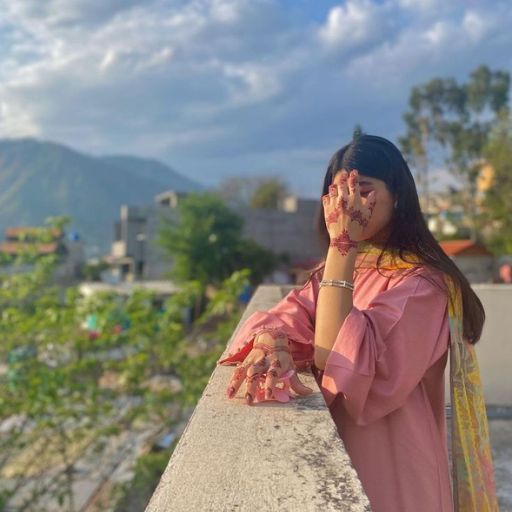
(66, 389)
(238, 190)
(268, 194)
(457, 118)
(206, 242)
(497, 203)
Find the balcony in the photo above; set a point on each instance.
(271, 456)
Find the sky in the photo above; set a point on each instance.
(221, 88)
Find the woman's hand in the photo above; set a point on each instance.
(346, 215)
(258, 362)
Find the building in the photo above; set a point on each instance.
(69, 249)
(135, 254)
(288, 231)
(474, 260)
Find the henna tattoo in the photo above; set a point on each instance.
(357, 215)
(274, 332)
(333, 216)
(239, 373)
(343, 242)
(272, 372)
(275, 364)
(251, 378)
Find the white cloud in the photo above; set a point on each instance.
(354, 23)
(231, 83)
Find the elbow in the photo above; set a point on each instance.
(320, 357)
(320, 364)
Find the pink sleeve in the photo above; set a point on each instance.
(382, 352)
(293, 315)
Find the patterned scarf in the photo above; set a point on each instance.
(474, 487)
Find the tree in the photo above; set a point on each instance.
(206, 244)
(268, 194)
(66, 391)
(458, 119)
(497, 203)
(238, 190)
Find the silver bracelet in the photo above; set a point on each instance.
(337, 282)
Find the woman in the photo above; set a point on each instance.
(375, 322)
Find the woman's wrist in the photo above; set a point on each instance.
(272, 337)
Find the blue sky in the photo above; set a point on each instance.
(220, 88)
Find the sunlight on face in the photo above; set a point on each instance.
(377, 228)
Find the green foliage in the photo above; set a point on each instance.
(497, 201)
(268, 194)
(358, 131)
(148, 470)
(92, 271)
(91, 189)
(206, 242)
(458, 118)
(66, 384)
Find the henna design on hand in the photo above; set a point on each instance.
(343, 242)
(251, 378)
(332, 218)
(274, 332)
(357, 215)
(239, 372)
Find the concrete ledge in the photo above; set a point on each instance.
(273, 456)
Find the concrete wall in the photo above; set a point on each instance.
(271, 456)
(494, 350)
(291, 232)
(477, 269)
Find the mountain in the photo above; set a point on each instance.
(40, 179)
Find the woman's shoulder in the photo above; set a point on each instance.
(425, 276)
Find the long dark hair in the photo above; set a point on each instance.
(378, 157)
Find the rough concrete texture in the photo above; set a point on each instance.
(269, 456)
(289, 457)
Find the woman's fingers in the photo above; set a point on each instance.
(353, 185)
(298, 387)
(236, 379)
(254, 373)
(274, 372)
(343, 192)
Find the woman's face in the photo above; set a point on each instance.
(377, 229)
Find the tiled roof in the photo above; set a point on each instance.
(14, 232)
(15, 247)
(464, 248)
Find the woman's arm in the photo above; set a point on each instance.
(382, 352)
(334, 303)
(293, 316)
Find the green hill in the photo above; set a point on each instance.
(39, 179)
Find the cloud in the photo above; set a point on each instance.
(232, 86)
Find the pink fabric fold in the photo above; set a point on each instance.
(383, 381)
(294, 315)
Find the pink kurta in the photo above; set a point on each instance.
(383, 381)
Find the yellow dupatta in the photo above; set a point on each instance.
(473, 482)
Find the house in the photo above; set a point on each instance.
(289, 231)
(475, 261)
(40, 241)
